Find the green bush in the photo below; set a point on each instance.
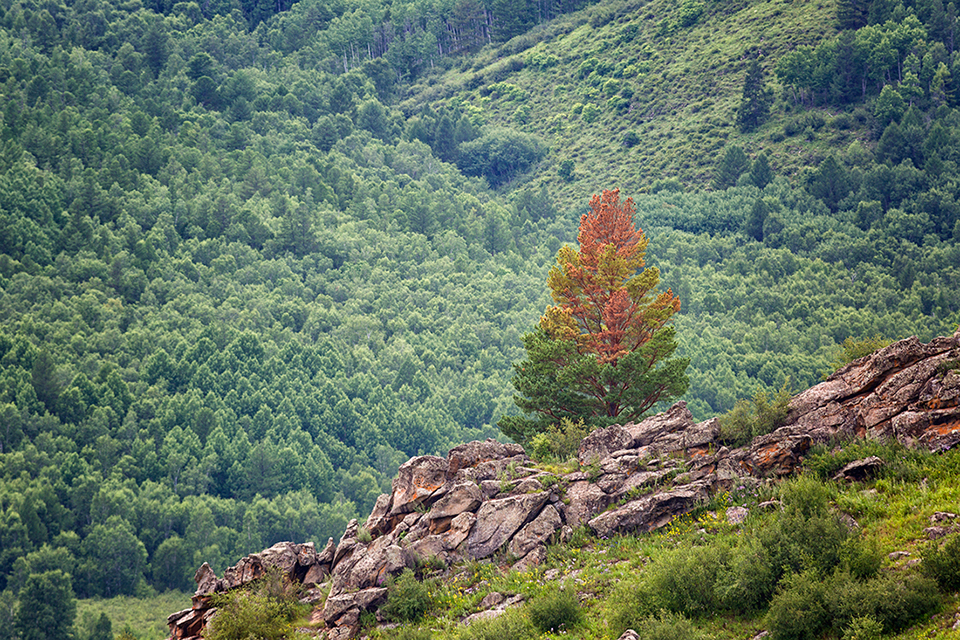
(668, 626)
(942, 563)
(408, 599)
(749, 579)
(265, 609)
(554, 611)
(751, 418)
(799, 611)
(560, 442)
(684, 579)
(863, 628)
(894, 601)
(512, 625)
(853, 349)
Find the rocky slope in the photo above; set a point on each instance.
(486, 499)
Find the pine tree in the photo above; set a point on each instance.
(756, 100)
(604, 352)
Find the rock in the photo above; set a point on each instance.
(648, 512)
(463, 496)
(658, 427)
(584, 501)
(206, 580)
(600, 443)
(348, 542)
(474, 453)
(935, 533)
(860, 469)
(938, 516)
(418, 481)
(737, 515)
(491, 600)
(536, 557)
(489, 614)
(536, 533)
(499, 519)
(896, 555)
(778, 453)
(629, 634)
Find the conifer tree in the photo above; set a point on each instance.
(604, 352)
(756, 100)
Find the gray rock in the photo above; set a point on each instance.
(499, 519)
(649, 512)
(859, 470)
(536, 533)
(737, 515)
(583, 501)
(600, 443)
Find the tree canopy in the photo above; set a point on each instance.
(604, 352)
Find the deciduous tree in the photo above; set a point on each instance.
(604, 352)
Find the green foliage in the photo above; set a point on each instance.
(512, 625)
(408, 599)
(559, 442)
(751, 418)
(46, 607)
(264, 609)
(854, 349)
(756, 99)
(941, 562)
(555, 611)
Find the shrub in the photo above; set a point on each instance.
(751, 418)
(560, 442)
(512, 625)
(631, 139)
(749, 579)
(942, 563)
(265, 609)
(685, 579)
(799, 611)
(863, 628)
(852, 349)
(894, 601)
(555, 610)
(668, 626)
(408, 599)
(590, 112)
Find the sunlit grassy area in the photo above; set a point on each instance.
(146, 618)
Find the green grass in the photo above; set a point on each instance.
(668, 76)
(145, 617)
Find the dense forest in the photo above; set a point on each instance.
(255, 255)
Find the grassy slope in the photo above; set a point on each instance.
(684, 104)
(892, 511)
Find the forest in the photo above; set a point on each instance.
(255, 255)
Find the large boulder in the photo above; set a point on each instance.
(499, 519)
(649, 512)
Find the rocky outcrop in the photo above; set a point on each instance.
(297, 562)
(485, 499)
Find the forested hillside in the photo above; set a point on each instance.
(255, 255)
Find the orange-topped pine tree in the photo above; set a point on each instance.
(604, 352)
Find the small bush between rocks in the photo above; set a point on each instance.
(264, 609)
(561, 442)
(555, 610)
(751, 418)
(408, 599)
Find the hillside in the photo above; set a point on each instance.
(254, 256)
(799, 566)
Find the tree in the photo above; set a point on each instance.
(756, 100)
(47, 607)
(603, 353)
(734, 163)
